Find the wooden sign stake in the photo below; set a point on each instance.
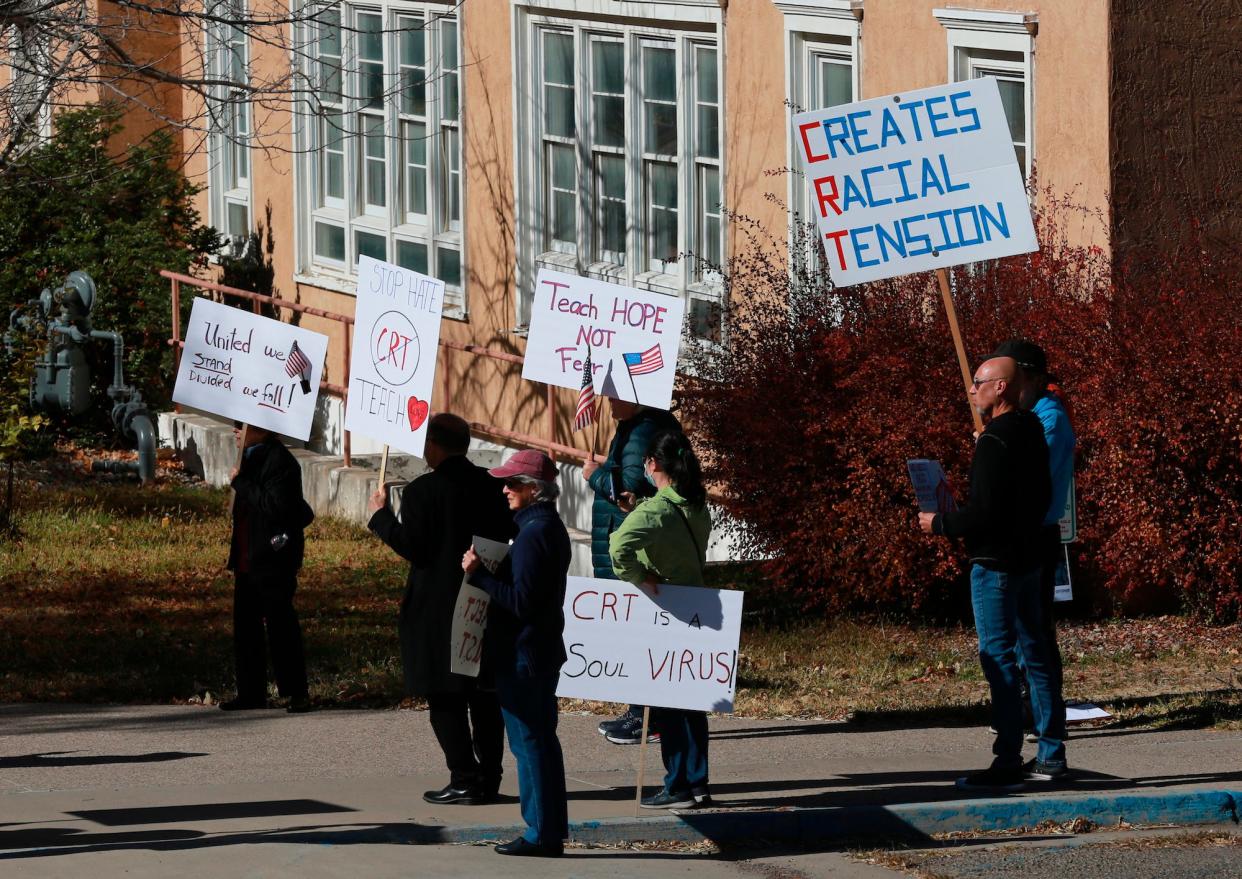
(642, 761)
(383, 466)
(947, 294)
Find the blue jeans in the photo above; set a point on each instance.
(530, 712)
(1008, 612)
(683, 745)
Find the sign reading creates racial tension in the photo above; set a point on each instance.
(912, 182)
(393, 367)
(470, 613)
(677, 649)
(250, 368)
(633, 338)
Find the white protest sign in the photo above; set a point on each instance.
(470, 612)
(1068, 523)
(393, 367)
(912, 182)
(633, 336)
(931, 486)
(250, 368)
(677, 649)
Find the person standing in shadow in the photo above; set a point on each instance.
(664, 540)
(265, 554)
(526, 622)
(441, 513)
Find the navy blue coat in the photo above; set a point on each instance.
(526, 619)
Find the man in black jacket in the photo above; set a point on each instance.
(265, 554)
(1001, 523)
(441, 512)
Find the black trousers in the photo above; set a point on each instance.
(471, 734)
(260, 602)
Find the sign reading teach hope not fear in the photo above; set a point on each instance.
(913, 182)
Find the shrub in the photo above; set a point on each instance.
(822, 395)
(71, 204)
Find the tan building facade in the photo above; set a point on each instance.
(481, 141)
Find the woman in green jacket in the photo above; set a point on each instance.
(664, 540)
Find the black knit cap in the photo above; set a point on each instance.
(1028, 355)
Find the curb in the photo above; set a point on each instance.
(840, 823)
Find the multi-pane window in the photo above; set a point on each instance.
(1009, 68)
(384, 166)
(625, 154)
(823, 76)
(229, 114)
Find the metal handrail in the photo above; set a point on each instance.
(548, 443)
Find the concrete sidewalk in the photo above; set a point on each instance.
(76, 779)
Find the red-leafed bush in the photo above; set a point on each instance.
(810, 410)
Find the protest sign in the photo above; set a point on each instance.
(633, 338)
(913, 182)
(470, 612)
(393, 367)
(1068, 522)
(677, 649)
(931, 486)
(250, 368)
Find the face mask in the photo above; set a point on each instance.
(650, 478)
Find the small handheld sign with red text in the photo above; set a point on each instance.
(677, 649)
(633, 337)
(393, 368)
(250, 368)
(470, 612)
(922, 180)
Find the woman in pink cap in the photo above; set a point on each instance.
(524, 644)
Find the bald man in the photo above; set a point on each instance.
(1000, 524)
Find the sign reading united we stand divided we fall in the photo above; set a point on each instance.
(250, 368)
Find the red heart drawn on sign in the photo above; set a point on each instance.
(417, 410)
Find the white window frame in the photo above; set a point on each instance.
(689, 23)
(971, 31)
(437, 230)
(826, 29)
(226, 140)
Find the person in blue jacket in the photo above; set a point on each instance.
(1039, 396)
(621, 479)
(524, 643)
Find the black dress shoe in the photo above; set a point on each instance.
(523, 848)
(243, 704)
(457, 796)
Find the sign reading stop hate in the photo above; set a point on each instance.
(917, 181)
(393, 367)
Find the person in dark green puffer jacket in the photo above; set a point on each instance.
(622, 474)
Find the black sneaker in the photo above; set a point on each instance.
(631, 733)
(666, 800)
(702, 796)
(1038, 770)
(607, 726)
(993, 779)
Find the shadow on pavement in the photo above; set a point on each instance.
(51, 759)
(207, 812)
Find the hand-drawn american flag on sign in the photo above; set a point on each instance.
(586, 398)
(651, 360)
(297, 365)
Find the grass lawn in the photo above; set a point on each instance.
(117, 593)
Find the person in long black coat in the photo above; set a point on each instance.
(265, 555)
(441, 512)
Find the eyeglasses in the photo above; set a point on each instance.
(513, 484)
(980, 382)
